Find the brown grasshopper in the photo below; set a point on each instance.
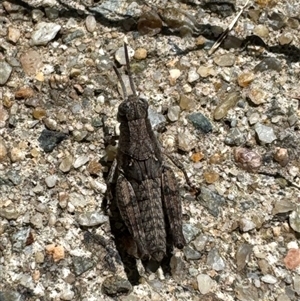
(145, 187)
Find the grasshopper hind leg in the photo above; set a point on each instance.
(172, 207)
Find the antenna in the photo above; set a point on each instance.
(121, 82)
(128, 69)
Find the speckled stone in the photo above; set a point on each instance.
(265, 133)
(5, 71)
(114, 285)
(44, 33)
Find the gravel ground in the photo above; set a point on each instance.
(230, 118)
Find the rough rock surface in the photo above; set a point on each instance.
(231, 119)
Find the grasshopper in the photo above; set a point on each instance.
(146, 191)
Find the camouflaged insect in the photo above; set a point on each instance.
(146, 190)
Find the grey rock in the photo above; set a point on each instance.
(173, 113)
(90, 23)
(296, 283)
(73, 35)
(66, 164)
(246, 225)
(270, 279)
(115, 285)
(120, 55)
(265, 133)
(200, 122)
(9, 212)
(14, 176)
(37, 15)
(80, 161)
(235, 137)
(269, 63)
(254, 118)
(225, 60)
(10, 296)
(157, 120)
(5, 71)
(78, 200)
(49, 140)
(294, 219)
(191, 254)
(19, 239)
(246, 292)
(211, 200)
(51, 181)
(177, 266)
(242, 255)
(37, 220)
(44, 33)
(190, 231)
(200, 242)
(51, 13)
(81, 264)
(215, 261)
(205, 283)
(283, 206)
(79, 135)
(283, 297)
(90, 219)
(193, 75)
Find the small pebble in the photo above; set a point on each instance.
(292, 259)
(193, 75)
(261, 30)
(51, 181)
(90, 23)
(215, 261)
(249, 160)
(91, 219)
(3, 150)
(225, 60)
(225, 105)
(269, 279)
(6, 70)
(196, 157)
(94, 167)
(173, 113)
(80, 161)
(200, 122)
(31, 62)
(13, 35)
(245, 79)
(286, 38)
(44, 33)
(265, 133)
(66, 164)
(174, 75)
(281, 156)
(17, 154)
(257, 96)
(211, 177)
(56, 251)
(205, 283)
(24, 92)
(37, 220)
(120, 55)
(39, 113)
(185, 141)
(140, 53)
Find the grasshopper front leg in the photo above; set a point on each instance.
(172, 206)
(130, 212)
